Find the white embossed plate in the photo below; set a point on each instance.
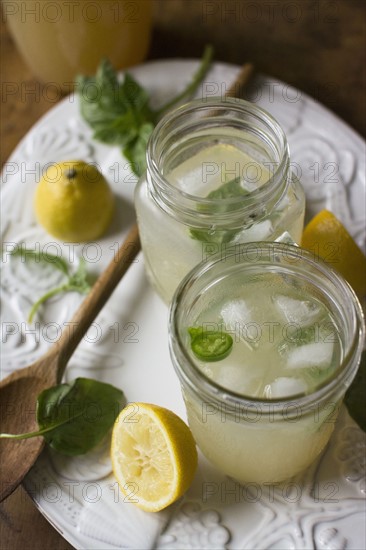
(127, 345)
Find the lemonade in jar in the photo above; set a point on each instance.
(218, 174)
(265, 343)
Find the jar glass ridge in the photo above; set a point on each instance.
(194, 151)
(194, 121)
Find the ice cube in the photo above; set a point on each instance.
(284, 387)
(229, 377)
(302, 312)
(257, 232)
(248, 185)
(286, 238)
(238, 378)
(299, 337)
(208, 371)
(318, 355)
(236, 314)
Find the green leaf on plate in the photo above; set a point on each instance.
(76, 282)
(74, 418)
(26, 254)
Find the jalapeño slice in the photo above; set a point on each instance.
(210, 345)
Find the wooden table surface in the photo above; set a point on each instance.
(317, 46)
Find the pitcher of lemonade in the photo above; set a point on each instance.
(60, 39)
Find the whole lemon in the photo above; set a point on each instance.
(74, 202)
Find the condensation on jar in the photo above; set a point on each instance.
(218, 175)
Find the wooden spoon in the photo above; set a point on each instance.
(19, 391)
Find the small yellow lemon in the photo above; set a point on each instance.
(154, 456)
(325, 235)
(74, 202)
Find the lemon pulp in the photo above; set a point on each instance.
(154, 456)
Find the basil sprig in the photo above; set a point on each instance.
(119, 112)
(76, 282)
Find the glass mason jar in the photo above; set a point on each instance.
(218, 174)
(271, 438)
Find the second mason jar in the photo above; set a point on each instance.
(218, 175)
(265, 342)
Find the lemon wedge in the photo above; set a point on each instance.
(154, 456)
(326, 236)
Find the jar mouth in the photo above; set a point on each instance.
(200, 119)
(212, 392)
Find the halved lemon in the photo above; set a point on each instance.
(154, 456)
(326, 236)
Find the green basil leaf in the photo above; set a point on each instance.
(41, 257)
(135, 151)
(119, 131)
(217, 237)
(136, 96)
(78, 281)
(228, 190)
(98, 94)
(106, 77)
(76, 417)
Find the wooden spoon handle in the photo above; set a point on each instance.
(238, 86)
(95, 300)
